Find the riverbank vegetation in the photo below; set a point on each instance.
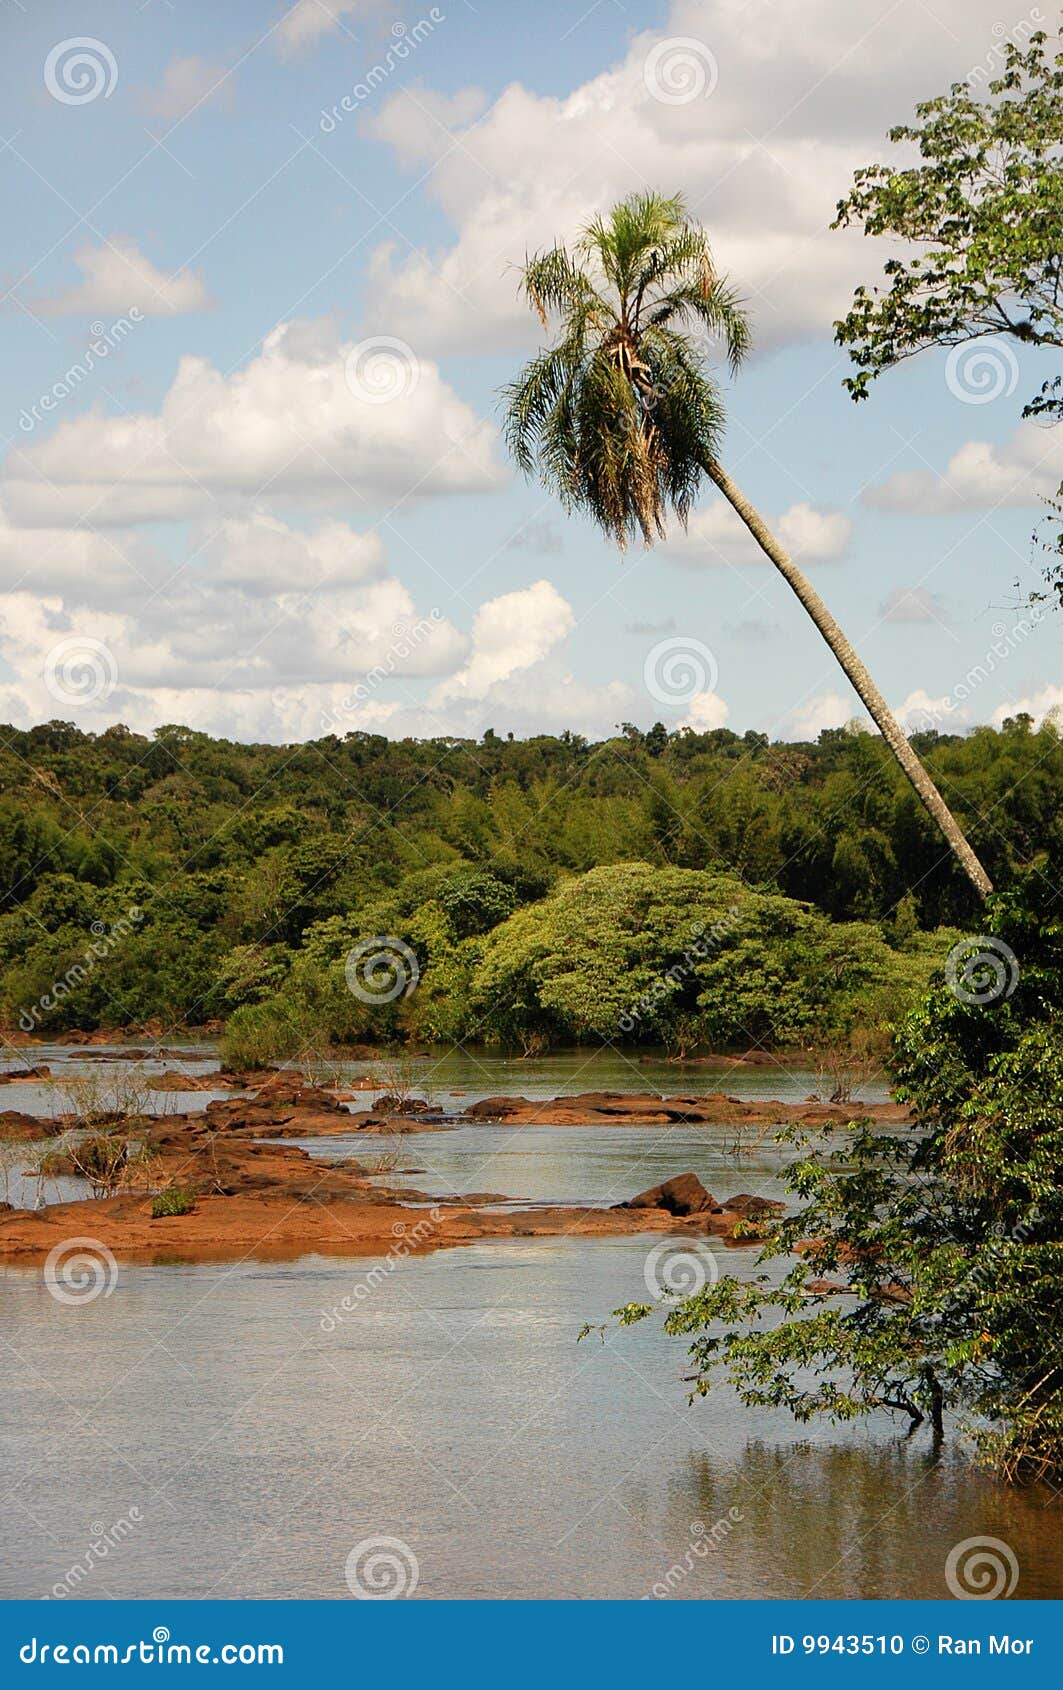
(925, 1264)
(681, 887)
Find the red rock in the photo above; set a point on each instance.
(684, 1194)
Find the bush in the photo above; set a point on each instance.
(947, 1236)
(178, 1200)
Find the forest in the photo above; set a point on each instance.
(686, 889)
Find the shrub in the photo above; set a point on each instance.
(178, 1200)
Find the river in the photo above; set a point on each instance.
(228, 1431)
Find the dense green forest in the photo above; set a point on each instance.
(687, 888)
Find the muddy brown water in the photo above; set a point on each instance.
(236, 1431)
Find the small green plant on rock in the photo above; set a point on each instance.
(178, 1200)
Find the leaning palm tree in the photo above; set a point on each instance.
(621, 416)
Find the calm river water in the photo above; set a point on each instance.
(223, 1435)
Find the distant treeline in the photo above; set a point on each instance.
(545, 887)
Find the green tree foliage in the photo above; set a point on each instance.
(981, 215)
(275, 861)
(947, 1240)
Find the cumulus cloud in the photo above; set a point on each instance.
(705, 711)
(921, 712)
(715, 535)
(263, 556)
(980, 476)
(826, 710)
(774, 113)
(304, 419)
(1044, 705)
(117, 277)
(912, 604)
(308, 21)
(509, 634)
(188, 81)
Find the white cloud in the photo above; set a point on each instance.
(264, 556)
(510, 633)
(800, 99)
(912, 604)
(288, 425)
(79, 560)
(116, 277)
(308, 21)
(716, 535)
(826, 710)
(189, 81)
(706, 710)
(920, 713)
(1041, 705)
(980, 476)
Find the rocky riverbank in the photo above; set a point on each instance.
(245, 1195)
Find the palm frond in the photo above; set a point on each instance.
(622, 413)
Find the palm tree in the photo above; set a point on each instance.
(623, 419)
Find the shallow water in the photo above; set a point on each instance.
(259, 1431)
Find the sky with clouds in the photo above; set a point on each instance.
(259, 296)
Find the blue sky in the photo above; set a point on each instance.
(276, 497)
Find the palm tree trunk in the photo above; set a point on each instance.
(872, 699)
